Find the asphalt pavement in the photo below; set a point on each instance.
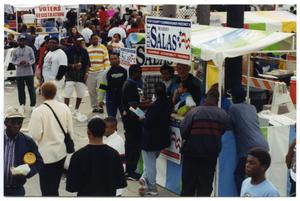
(80, 138)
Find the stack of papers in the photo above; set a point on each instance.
(140, 113)
(21, 169)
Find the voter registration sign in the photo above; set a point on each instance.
(49, 11)
(169, 39)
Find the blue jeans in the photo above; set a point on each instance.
(112, 108)
(149, 174)
(29, 81)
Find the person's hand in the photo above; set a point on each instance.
(19, 179)
(294, 142)
(101, 103)
(86, 76)
(147, 101)
(38, 76)
(78, 66)
(110, 47)
(23, 63)
(174, 97)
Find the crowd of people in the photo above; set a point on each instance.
(90, 60)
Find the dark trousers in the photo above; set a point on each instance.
(197, 175)
(29, 81)
(133, 133)
(14, 191)
(112, 108)
(293, 188)
(239, 174)
(50, 176)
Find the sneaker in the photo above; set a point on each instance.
(98, 110)
(142, 191)
(133, 176)
(152, 192)
(142, 181)
(81, 117)
(75, 114)
(32, 108)
(22, 109)
(145, 191)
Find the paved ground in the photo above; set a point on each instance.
(80, 139)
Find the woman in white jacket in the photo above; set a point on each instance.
(49, 137)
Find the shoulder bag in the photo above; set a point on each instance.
(68, 140)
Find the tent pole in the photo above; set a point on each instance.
(216, 178)
(78, 17)
(17, 26)
(248, 79)
(220, 84)
(293, 43)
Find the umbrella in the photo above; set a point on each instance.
(118, 30)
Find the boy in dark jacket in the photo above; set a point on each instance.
(19, 149)
(111, 86)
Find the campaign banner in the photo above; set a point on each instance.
(127, 57)
(169, 39)
(49, 11)
(149, 64)
(172, 153)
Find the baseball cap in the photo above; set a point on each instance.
(22, 36)
(53, 38)
(13, 112)
(79, 38)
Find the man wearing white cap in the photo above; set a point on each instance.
(23, 58)
(22, 159)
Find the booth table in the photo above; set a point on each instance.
(169, 162)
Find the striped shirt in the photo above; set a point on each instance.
(98, 58)
(9, 158)
(202, 129)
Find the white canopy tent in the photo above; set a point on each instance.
(218, 43)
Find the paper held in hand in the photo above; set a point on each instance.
(138, 112)
(21, 169)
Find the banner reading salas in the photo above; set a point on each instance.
(169, 39)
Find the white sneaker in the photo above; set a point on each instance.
(22, 109)
(32, 108)
(75, 114)
(81, 117)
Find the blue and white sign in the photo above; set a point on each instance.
(127, 57)
(169, 39)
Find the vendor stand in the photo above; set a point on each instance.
(216, 44)
(36, 14)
